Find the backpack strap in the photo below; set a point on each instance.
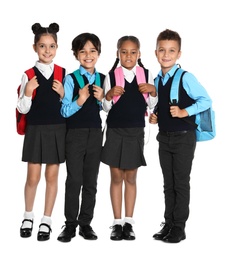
(141, 78)
(119, 78)
(174, 91)
(59, 72)
(79, 79)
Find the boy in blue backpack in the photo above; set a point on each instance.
(176, 137)
(81, 107)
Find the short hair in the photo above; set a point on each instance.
(79, 42)
(169, 35)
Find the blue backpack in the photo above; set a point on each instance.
(204, 121)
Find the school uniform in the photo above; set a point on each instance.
(44, 140)
(177, 143)
(83, 149)
(124, 145)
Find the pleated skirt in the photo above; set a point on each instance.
(124, 148)
(44, 144)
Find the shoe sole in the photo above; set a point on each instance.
(92, 238)
(129, 238)
(116, 238)
(64, 240)
(174, 241)
(43, 239)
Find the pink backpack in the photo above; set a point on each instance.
(119, 77)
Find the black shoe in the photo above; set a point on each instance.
(67, 233)
(163, 232)
(117, 232)
(128, 233)
(87, 232)
(175, 235)
(26, 232)
(43, 236)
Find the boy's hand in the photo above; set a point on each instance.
(98, 93)
(83, 95)
(177, 112)
(153, 119)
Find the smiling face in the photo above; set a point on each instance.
(88, 56)
(128, 54)
(46, 48)
(167, 53)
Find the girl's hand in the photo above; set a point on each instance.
(58, 87)
(148, 88)
(30, 86)
(83, 95)
(98, 93)
(115, 91)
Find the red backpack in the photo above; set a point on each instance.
(21, 121)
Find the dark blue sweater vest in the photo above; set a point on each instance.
(45, 108)
(165, 121)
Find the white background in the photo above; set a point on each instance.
(203, 28)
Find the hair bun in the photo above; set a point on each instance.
(53, 27)
(36, 28)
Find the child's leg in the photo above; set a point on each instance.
(51, 176)
(33, 178)
(117, 176)
(130, 191)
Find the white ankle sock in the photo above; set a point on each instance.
(28, 215)
(117, 221)
(46, 220)
(129, 220)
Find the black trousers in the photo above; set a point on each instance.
(176, 153)
(83, 151)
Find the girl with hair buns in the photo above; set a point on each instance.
(44, 140)
(123, 148)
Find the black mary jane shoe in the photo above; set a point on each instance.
(26, 232)
(43, 236)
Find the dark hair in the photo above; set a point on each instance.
(169, 35)
(38, 30)
(120, 43)
(79, 42)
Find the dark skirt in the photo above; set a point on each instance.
(44, 144)
(124, 148)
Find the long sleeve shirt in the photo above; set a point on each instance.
(69, 106)
(193, 88)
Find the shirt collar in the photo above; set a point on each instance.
(89, 76)
(45, 67)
